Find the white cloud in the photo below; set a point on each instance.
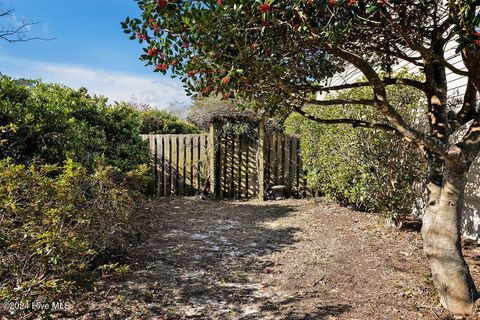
(117, 86)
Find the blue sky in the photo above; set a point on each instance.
(89, 50)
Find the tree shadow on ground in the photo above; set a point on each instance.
(411, 224)
(206, 260)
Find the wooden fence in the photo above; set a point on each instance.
(180, 163)
(225, 165)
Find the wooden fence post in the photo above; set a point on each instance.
(261, 160)
(212, 160)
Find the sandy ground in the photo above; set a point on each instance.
(292, 259)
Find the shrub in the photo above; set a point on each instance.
(46, 123)
(369, 169)
(60, 227)
(155, 121)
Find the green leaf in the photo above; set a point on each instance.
(372, 8)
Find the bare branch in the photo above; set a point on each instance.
(17, 33)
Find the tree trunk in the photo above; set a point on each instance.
(441, 237)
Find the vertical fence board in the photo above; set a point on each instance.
(224, 165)
(177, 165)
(290, 164)
(199, 156)
(192, 166)
(232, 168)
(162, 168)
(206, 161)
(171, 186)
(254, 181)
(282, 155)
(212, 161)
(184, 148)
(239, 167)
(269, 163)
(247, 167)
(297, 175)
(260, 163)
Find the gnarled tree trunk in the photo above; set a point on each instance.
(442, 239)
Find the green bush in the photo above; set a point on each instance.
(371, 170)
(162, 122)
(46, 123)
(60, 227)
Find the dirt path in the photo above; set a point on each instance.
(277, 260)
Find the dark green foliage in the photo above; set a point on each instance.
(371, 170)
(46, 123)
(60, 227)
(162, 122)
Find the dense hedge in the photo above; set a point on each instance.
(370, 169)
(46, 123)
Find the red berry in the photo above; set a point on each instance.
(226, 80)
(264, 7)
(219, 2)
(352, 2)
(207, 90)
(162, 4)
(162, 66)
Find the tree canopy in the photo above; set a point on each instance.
(277, 53)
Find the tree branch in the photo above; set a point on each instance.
(471, 141)
(355, 123)
(425, 52)
(387, 81)
(17, 33)
(468, 111)
(334, 102)
(400, 55)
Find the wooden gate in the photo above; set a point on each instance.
(227, 166)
